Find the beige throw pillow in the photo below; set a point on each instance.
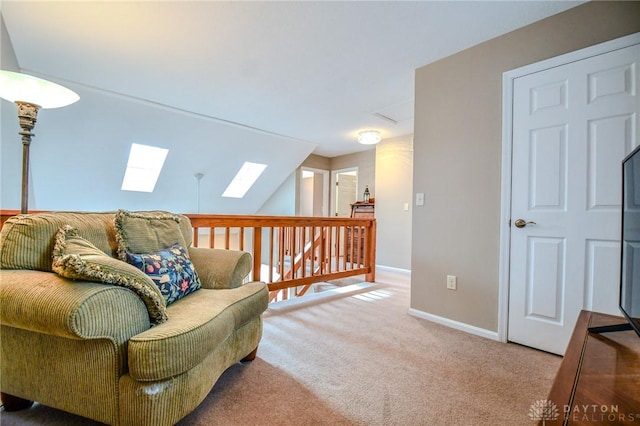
(76, 258)
(146, 232)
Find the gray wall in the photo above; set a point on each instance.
(366, 163)
(394, 174)
(457, 156)
(317, 162)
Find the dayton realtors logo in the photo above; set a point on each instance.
(544, 410)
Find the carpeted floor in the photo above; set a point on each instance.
(361, 359)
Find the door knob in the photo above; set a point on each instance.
(521, 223)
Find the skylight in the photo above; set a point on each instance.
(245, 178)
(143, 168)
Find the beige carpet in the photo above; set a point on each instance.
(360, 359)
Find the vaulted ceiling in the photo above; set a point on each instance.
(219, 83)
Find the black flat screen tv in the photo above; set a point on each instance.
(629, 247)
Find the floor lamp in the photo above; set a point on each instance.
(30, 94)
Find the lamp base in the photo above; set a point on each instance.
(27, 115)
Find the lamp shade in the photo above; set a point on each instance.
(18, 87)
(369, 137)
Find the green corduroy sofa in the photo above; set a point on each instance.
(95, 349)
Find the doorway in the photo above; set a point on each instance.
(346, 191)
(569, 122)
(314, 192)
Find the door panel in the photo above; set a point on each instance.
(548, 165)
(610, 138)
(603, 262)
(572, 126)
(545, 279)
(614, 81)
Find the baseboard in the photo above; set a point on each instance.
(493, 335)
(392, 269)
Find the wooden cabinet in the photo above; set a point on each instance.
(354, 237)
(599, 379)
(362, 210)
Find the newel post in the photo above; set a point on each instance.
(257, 253)
(371, 253)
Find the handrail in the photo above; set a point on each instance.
(290, 253)
(293, 251)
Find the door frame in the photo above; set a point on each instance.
(507, 141)
(325, 188)
(334, 173)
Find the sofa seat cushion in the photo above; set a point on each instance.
(197, 324)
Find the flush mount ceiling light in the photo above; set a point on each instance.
(369, 137)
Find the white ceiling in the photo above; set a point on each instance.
(313, 72)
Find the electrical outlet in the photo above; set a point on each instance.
(452, 282)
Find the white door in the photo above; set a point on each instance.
(346, 187)
(572, 126)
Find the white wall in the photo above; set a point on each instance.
(8, 59)
(10, 146)
(283, 201)
(79, 155)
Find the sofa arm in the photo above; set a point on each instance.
(219, 269)
(44, 302)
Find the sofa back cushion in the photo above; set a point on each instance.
(27, 241)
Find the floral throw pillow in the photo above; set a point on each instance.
(170, 269)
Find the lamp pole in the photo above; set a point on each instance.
(31, 93)
(27, 114)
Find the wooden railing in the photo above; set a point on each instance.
(290, 253)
